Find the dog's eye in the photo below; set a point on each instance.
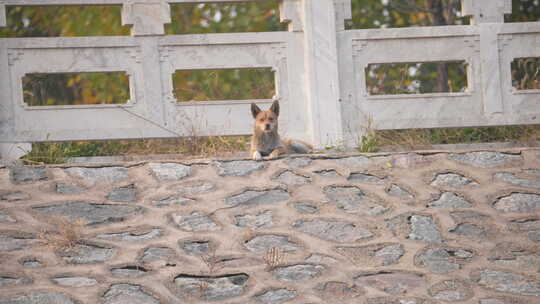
(271, 119)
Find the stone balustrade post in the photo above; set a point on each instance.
(323, 19)
(148, 19)
(488, 15)
(3, 17)
(290, 12)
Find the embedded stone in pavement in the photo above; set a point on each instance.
(423, 228)
(320, 259)
(30, 262)
(500, 300)
(519, 203)
(442, 260)
(158, 254)
(134, 235)
(238, 167)
(196, 221)
(470, 230)
(515, 256)
(485, 159)
(172, 201)
(262, 219)
(353, 200)
(468, 215)
(21, 175)
(373, 255)
(517, 181)
(397, 191)
(87, 253)
(366, 178)
(123, 194)
(392, 282)
(531, 225)
(506, 281)
(68, 189)
(252, 197)
(11, 280)
(341, 291)
(210, 288)
(298, 162)
(92, 176)
(13, 196)
(306, 208)
(333, 230)
(451, 291)
(534, 235)
(16, 240)
(327, 173)
(128, 293)
(399, 300)
(194, 187)
(167, 172)
(129, 271)
(262, 243)
(6, 218)
(38, 297)
(525, 224)
(452, 180)
(415, 227)
(91, 213)
(450, 200)
(74, 281)
(298, 272)
(292, 179)
(532, 171)
(195, 247)
(276, 296)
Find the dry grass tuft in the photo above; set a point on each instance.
(411, 139)
(62, 233)
(274, 257)
(191, 146)
(212, 262)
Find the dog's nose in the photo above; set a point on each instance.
(267, 127)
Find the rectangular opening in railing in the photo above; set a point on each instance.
(106, 20)
(65, 21)
(405, 13)
(202, 18)
(416, 78)
(42, 89)
(526, 73)
(223, 84)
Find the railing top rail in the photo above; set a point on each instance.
(106, 2)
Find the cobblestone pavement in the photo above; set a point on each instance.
(409, 228)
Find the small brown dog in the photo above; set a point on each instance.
(266, 141)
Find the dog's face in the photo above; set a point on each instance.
(266, 121)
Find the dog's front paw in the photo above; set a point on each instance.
(273, 155)
(257, 155)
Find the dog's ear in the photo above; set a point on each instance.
(255, 110)
(275, 107)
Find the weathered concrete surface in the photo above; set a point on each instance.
(421, 228)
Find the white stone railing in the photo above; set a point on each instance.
(319, 70)
(488, 46)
